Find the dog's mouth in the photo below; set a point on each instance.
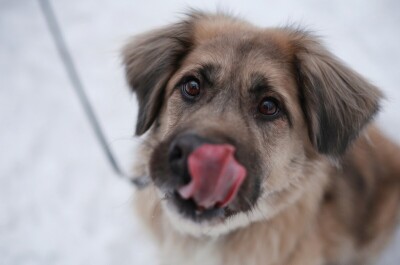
(215, 179)
(189, 209)
(215, 176)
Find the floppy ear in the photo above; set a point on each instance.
(150, 59)
(337, 101)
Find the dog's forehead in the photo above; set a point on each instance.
(241, 55)
(239, 48)
(230, 48)
(226, 32)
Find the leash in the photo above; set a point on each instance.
(65, 56)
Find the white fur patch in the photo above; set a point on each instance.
(262, 211)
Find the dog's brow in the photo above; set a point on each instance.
(258, 83)
(209, 71)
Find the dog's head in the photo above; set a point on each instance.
(237, 114)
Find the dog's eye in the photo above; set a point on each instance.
(191, 89)
(268, 106)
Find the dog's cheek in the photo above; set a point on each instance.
(168, 121)
(172, 114)
(249, 155)
(159, 168)
(280, 148)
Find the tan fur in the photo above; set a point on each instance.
(337, 203)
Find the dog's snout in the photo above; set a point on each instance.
(179, 151)
(208, 173)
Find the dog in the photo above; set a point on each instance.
(260, 147)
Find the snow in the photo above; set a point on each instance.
(60, 203)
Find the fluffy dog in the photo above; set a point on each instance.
(260, 147)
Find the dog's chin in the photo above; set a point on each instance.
(186, 219)
(214, 226)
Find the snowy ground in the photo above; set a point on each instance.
(59, 201)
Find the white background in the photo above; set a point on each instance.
(60, 202)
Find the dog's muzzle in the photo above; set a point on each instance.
(211, 174)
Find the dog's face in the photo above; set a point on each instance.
(239, 117)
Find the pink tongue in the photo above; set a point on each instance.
(216, 175)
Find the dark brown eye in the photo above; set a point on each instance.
(268, 107)
(191, 89)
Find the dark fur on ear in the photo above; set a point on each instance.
(337, 101)
(150, 59)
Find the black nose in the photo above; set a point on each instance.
(179, 151)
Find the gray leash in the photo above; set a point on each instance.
(48, 12)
